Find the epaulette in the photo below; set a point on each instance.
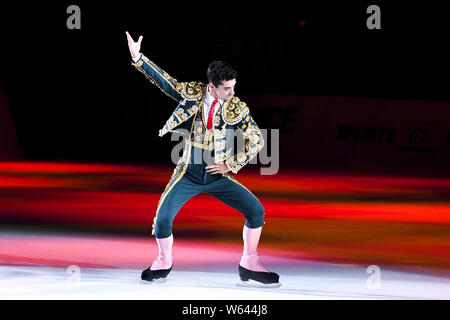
(234, 111)
(192, 90)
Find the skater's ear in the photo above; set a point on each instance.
(212, 89)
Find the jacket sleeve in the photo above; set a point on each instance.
(159, 77)
(253, 143)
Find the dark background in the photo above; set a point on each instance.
(74, 95)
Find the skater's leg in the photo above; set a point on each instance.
(164, 259)
(170, 203)
(249, 259)
(231, 192)
(162, 265)
(234, 194)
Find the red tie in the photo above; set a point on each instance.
(210, 116)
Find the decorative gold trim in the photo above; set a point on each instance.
(165, 193)
(192, 90)
(152, 81)
(234, 110)
(204, 145)
(203, 113)
(163, 75)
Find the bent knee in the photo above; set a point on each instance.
(255, 217)
(259, 210)
(163, 220)
(163, 230)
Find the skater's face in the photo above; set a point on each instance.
(225, 91)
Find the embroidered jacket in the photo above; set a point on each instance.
(232, 115)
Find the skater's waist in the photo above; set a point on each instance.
(206, 145)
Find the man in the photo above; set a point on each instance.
(209, 115)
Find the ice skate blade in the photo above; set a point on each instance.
(160, 280)
(255, 284)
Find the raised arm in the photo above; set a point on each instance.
(152, 72)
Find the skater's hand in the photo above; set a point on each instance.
(134, 47)
(215, 168)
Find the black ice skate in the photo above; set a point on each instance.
(263, 279)
(155, 275)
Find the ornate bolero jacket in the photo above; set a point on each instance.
(231, 116)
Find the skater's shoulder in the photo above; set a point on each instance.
(191, 90)
(234, 110)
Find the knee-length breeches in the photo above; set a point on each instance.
(225, 188)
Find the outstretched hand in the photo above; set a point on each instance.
(134, 47)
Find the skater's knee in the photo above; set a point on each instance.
(163, 220)
(258, 211)
(163, 227)
(255, 218)
(162, 231)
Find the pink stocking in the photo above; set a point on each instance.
(164, 259)
(249, 258)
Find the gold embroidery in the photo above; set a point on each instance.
(167, 78)
(254, 139)
(193, 109)
(205, 146)
(220, 145)
(234, 111)
(181, 117)
(192, 90)
(241, 157)
(220, 133)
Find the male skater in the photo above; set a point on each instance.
(210, 114)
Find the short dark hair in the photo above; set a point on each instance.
(219, 71)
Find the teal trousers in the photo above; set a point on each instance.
(197, 180)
